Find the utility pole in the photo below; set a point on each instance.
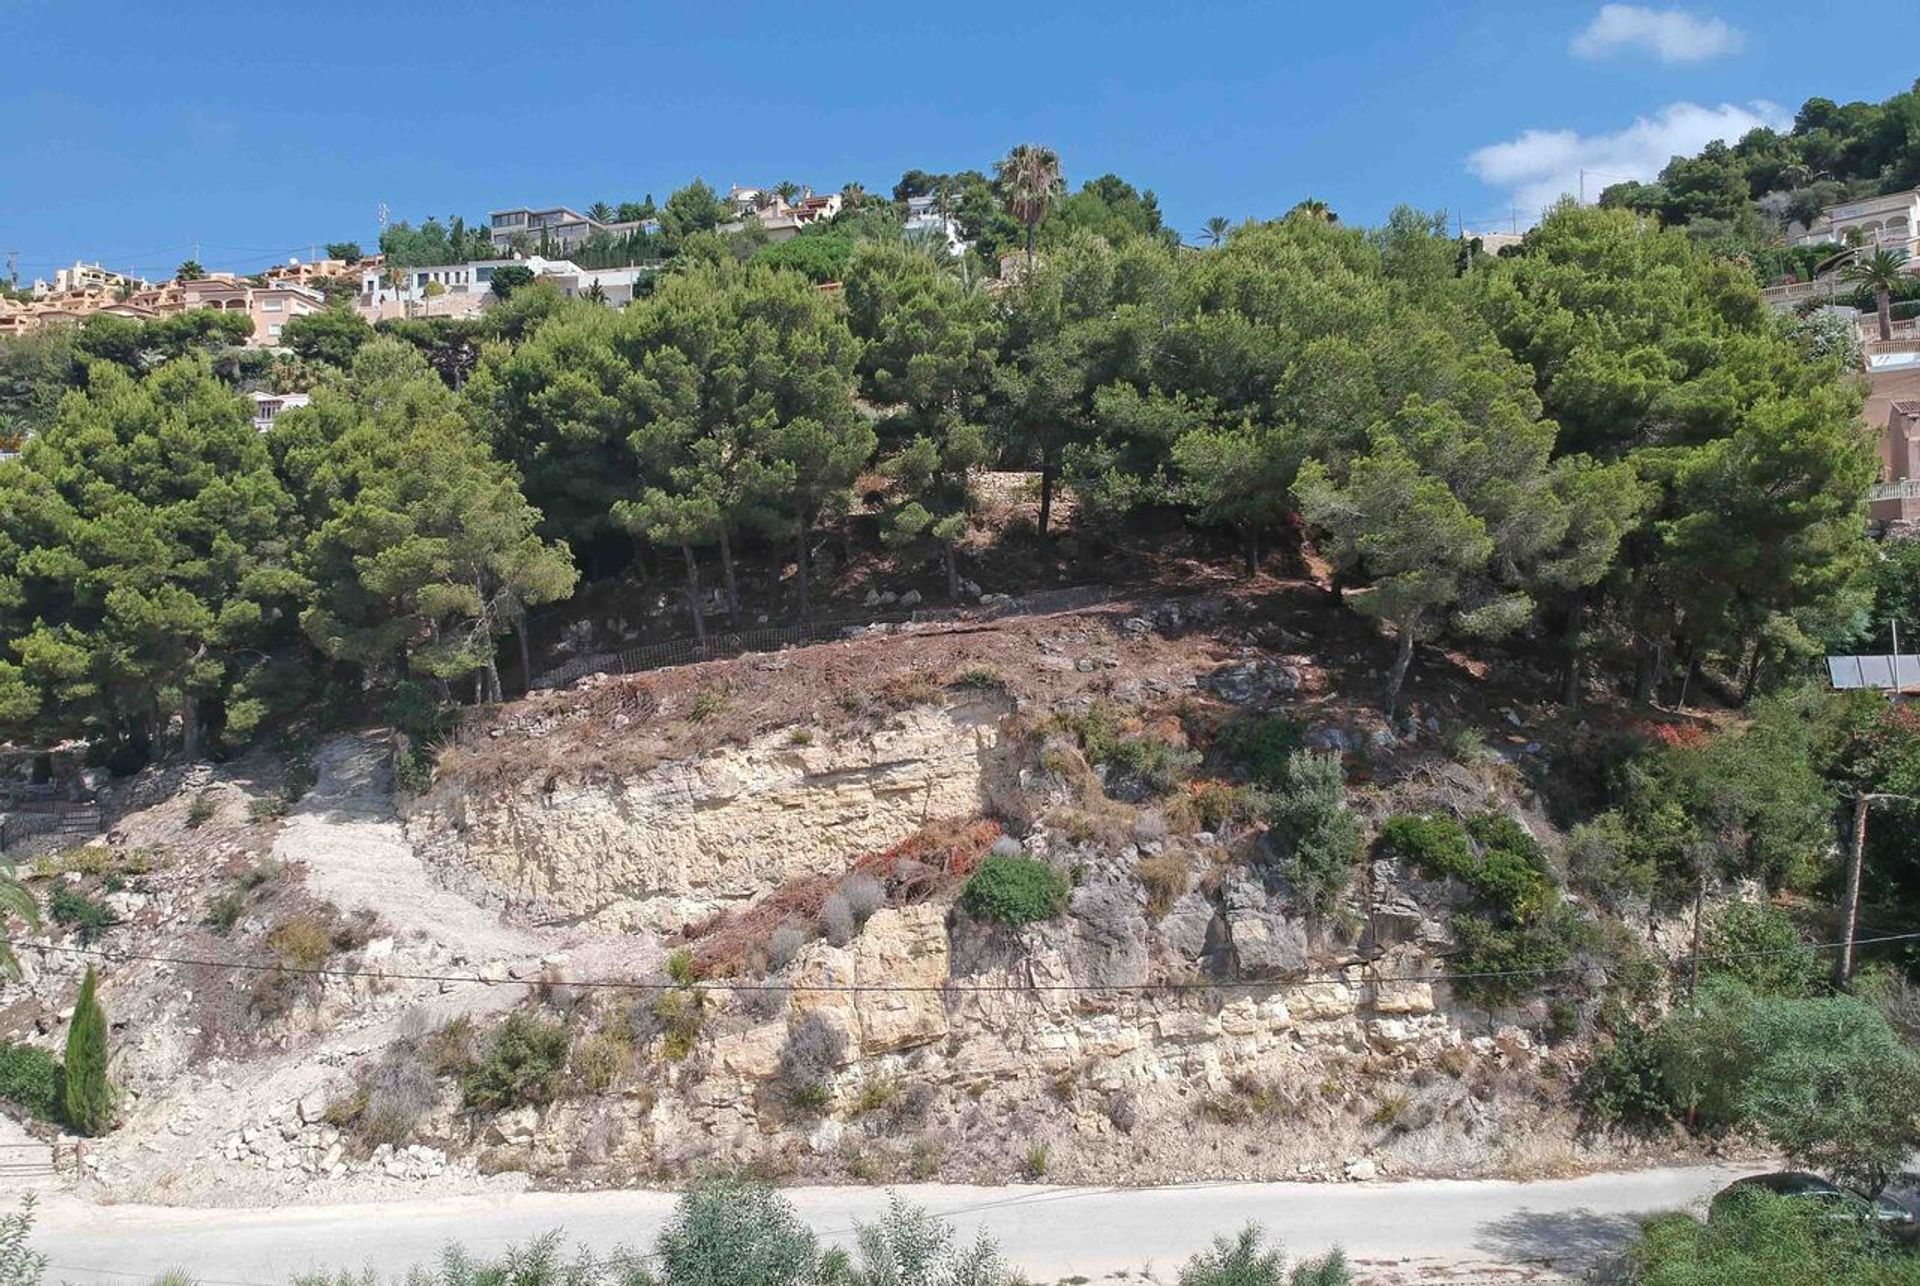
(13, 269)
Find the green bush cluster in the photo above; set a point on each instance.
(74, 909)
(521, 1065)
(1490, 853)
(33, 1079)
(1314, 834)
(1826, 1079)
(1259, 746)
(1014, 891)
(1154, 763)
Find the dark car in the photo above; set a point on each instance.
(1892, 1219)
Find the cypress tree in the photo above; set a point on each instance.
(89, 1099)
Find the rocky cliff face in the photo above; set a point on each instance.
(673, 844)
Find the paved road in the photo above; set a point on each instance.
(1051, 1233)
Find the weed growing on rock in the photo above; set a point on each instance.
(814, 1048)
(1013, 891)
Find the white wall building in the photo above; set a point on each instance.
(1887, 222)
(268, 405)
(462, 284)
(926, 221)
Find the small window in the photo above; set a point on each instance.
(270, 305)
(274, 330)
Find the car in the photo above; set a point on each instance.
(1890, 1218)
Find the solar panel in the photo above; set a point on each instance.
(1874, 673)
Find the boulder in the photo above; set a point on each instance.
(1265, 943)
(1109, 943)
(903, 946)
(1188, 926)
(1253, 683)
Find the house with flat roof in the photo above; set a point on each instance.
(557, 228)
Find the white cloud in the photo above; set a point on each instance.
(1671, 35)
(1540, 166)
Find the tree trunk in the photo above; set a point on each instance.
(1402, 661)
(1752, 679)
(1046, 496)
(1883, 304)
(733, 586)
(1850, 900)
(189, 727)
(1646, 670)
(693, 597)
(526, 653)
(1253, 553)
(801, 580)
(953, 570)
(1570, 639)
(491, 673)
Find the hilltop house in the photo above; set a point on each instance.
(557, 228)
(1885, 222)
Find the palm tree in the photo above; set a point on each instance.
(852, 195)
(1314, 208)
(18, 903)
(786, 190)
(1031, 184)
(600, 212)
(1215, 232)
(1882, 271)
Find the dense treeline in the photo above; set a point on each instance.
(1604, 441)
(1739, 197)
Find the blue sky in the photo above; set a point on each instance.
(129, 131)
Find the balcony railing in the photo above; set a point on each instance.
(1904, 489)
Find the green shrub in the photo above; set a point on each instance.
(75, 910)
(522, 1065)
(710, 702)
(1014, 891)
(1490, 853)
(727, 1233)
(1625, 1083)
(87, 1099)
(1756, 1237)
(413, 771)
(1315, 835)
(1247, 1260)
(269, 807)
(1156, 764)
(33, 1079)
(224, 911)
(1260, 746)
(199, 811)
(1756, 943)
(1513, 960)
(1601, 861)
(1437, 845)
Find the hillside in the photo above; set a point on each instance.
(774, 848)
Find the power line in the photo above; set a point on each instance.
(884, 988)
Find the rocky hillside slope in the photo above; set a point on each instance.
(721, 915)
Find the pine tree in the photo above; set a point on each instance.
(88, 1096)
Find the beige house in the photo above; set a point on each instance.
(1896, 499)
(1884, 222)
